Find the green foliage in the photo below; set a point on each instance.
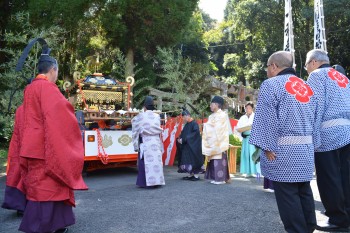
(65, 13)
(219, 41)
(145, 24)
(256, 35)
(3, 158)
(144, 80)
(337, 31)
(89, 35)
(257, 30)
(140, 26)
(12, 83)
(234, 140)
(217, 34)
(208, 23)
(194, 29)
(6, 126)
(213, 66)
(118, 61)
(182, 77)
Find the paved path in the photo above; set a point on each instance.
(114, 204)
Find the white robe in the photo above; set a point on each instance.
(215, 137)
(245, 121)
(147, 125)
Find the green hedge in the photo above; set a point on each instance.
(234, 140)
(3, 160)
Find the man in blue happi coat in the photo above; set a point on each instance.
(283, 128)
(332, 158)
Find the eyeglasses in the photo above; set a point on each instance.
(305, 67)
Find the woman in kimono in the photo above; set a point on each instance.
(146, 132)
(247, 166)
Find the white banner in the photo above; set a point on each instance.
(319, 27)
(288, 44)
(171, 144)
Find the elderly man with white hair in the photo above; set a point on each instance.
(284, 128)
(332, 158)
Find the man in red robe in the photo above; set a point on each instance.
(14, 199)
(52, 154)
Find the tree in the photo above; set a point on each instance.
(259, 26)
(337, 31)
(65, 14)
(191, 44)
(209, 23)
(12, 83)
(182, 77)
(140, 25)
(219, 42)
(253, 29)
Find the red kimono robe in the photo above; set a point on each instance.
(14, 199)
(52, 152)
(13, 166)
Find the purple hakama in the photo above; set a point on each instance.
(141, 176)
(14, 199)
(217, 169)
(146, 139)
(46, 216)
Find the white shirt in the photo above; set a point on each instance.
(245, 121)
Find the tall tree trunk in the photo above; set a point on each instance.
(129, 65)
(129, 71)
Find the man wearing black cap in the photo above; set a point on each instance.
(215, 143)
(51, 155)
(146, 132)
(189, 148)
(339, 68)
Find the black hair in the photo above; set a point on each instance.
(149, 103)
(249, 104)
(185, 112)
(150, 107)
(45, 66)
(339, 68)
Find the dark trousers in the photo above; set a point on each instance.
(296, 206)
(333, 181)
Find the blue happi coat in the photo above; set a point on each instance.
(284, 123)
(333, 92)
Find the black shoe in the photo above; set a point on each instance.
(194, 178)
(187, 177)
(329, 227)
(63, 230)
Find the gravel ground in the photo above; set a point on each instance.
(114, 204)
